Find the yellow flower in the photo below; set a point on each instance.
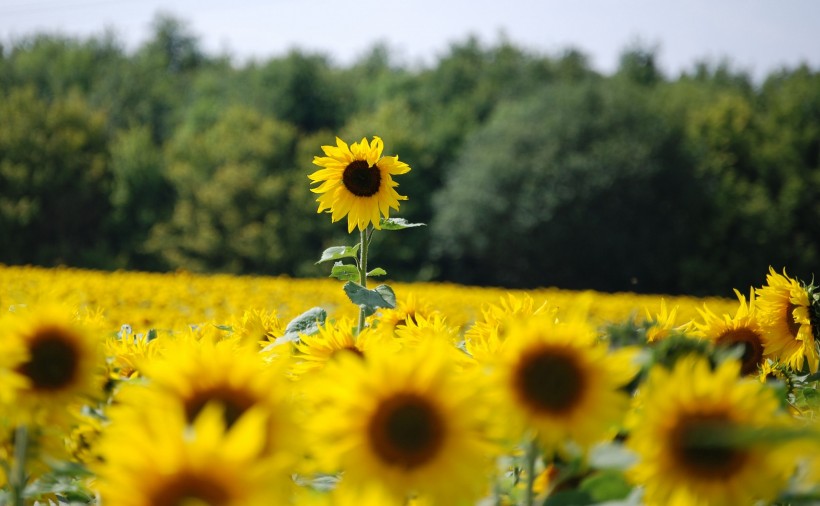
(152, 458)
(356, 181)
(334, 339)
(676, 408)
(784, 308)
(741, 329)
(558, 380)
(62, 365)
(405, 313)
(407, 425)
(664, 323)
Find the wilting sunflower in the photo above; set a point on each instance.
(742, 329)
(63, 362)
(678, 409)
(785, 317)
(407, 425)
(156, 458)
(558, 380)
(357, 182)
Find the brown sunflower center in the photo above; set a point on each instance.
(694, 448)
(234, 402)
(53, 361)
(550, 381)
(406, 431)
(752, 347)
(794, 327)
(188, 488)
(361, 179)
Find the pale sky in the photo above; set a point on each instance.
(757, 36)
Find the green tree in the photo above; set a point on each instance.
(54, 180)
(232, 181)
(578, 186)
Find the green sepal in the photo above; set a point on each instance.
(339, 252)
(378, 271)
(398, 224)
(344, 272)
(380, 297)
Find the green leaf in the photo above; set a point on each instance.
(378, 271)
(307, 323)
(338, 252)
(344, 272)
(381, 296)
(606, 486)
(398, 224)
(152, 334)
(569, 498)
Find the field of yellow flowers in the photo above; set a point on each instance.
(179, 389)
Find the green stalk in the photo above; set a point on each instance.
(531, 455)
(362, 273)
(18, 478)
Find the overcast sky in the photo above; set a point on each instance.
(757, 36)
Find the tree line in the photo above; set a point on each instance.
(529, 169)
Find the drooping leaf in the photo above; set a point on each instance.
(378, 271)
(380, 297)
(307, 323)
(338, 252)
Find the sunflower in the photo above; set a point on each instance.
(676, 408)
(485, 337)
(357, 181)
(664, 323)
(404, 314)
(558, 380)
(257, 328)
(742, 329)
(156, 458)
(408, 426)
(334, 339)
(62, 365)
(194, 374)
(785, 317)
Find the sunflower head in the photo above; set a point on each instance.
(357, 181)
(786, 319)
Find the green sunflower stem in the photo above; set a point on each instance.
(363, 235)
(18, 477)
(530, 458)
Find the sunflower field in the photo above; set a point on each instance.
(137, 389)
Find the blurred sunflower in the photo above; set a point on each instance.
(677, 408)
(742, 329)
(558, 380)
(404, 314)
(356, 181)
(664, 323)
(257, 328)
(194, 374)
(407, 426)
(485, 337)
(785, 317)
(334, 339)
(63, 363)
(156, 458)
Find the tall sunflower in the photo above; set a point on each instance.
(408, 426)
(558, 380)
(677, 466)
(742, 329)
(357, 182)
(156, 458)
(785, 317)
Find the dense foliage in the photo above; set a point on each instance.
(167, 158)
